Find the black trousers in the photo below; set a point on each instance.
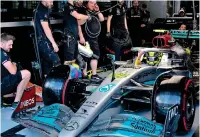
(48, 57)
(70, 47)
(120, 44)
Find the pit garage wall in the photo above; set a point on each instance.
(157, 9)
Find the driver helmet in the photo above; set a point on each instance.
(152, 58)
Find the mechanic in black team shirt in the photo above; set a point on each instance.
(133, 20)
(117, 25)
(11, 78)
(46, 43)
(145, 18)
(138, 19)
(71, 21)
(92, 9)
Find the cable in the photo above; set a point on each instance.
(103, 10)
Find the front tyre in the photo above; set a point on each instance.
(175, 90)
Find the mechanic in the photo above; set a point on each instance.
(11, 78)
(138, 19)
(182, 12)
(71, 21)
(117, 25)
(183, 27)
(45, 41)
(92, 9)
(134, 22)
(145, 18)
(184, 52)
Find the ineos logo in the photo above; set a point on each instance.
(71, 126)
(27, 102)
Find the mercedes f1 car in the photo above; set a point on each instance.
(79, 107)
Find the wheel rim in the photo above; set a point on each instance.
(190, 107)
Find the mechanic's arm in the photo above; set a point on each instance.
(125, 23)
(81, 37)
(108, 23)
(47, 30)
(79, 16)
(101, 17)
(11, 67)
(81, 22)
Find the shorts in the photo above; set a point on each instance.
(94, 45)
(10, 83)
(48, 57)
(70, 47)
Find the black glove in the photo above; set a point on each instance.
(108, 35)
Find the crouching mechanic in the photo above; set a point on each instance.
(92, 9)
(71, 20)
(11, 78)
(45, 41)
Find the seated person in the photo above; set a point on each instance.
(148, 58)
(183, 41)
(11, 78)
(183, 27)
(182, 49)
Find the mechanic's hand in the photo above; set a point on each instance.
(96, 8)
(82, 41)
(108, 35)
(142, 25)
(55, 47)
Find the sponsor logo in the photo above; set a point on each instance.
(172, 112)
(106, 88)
(143, 125)
(72, 125)
(120, 75)
(90, 104)
(82, 111)
(27, 102)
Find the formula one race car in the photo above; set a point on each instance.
(79, 107)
